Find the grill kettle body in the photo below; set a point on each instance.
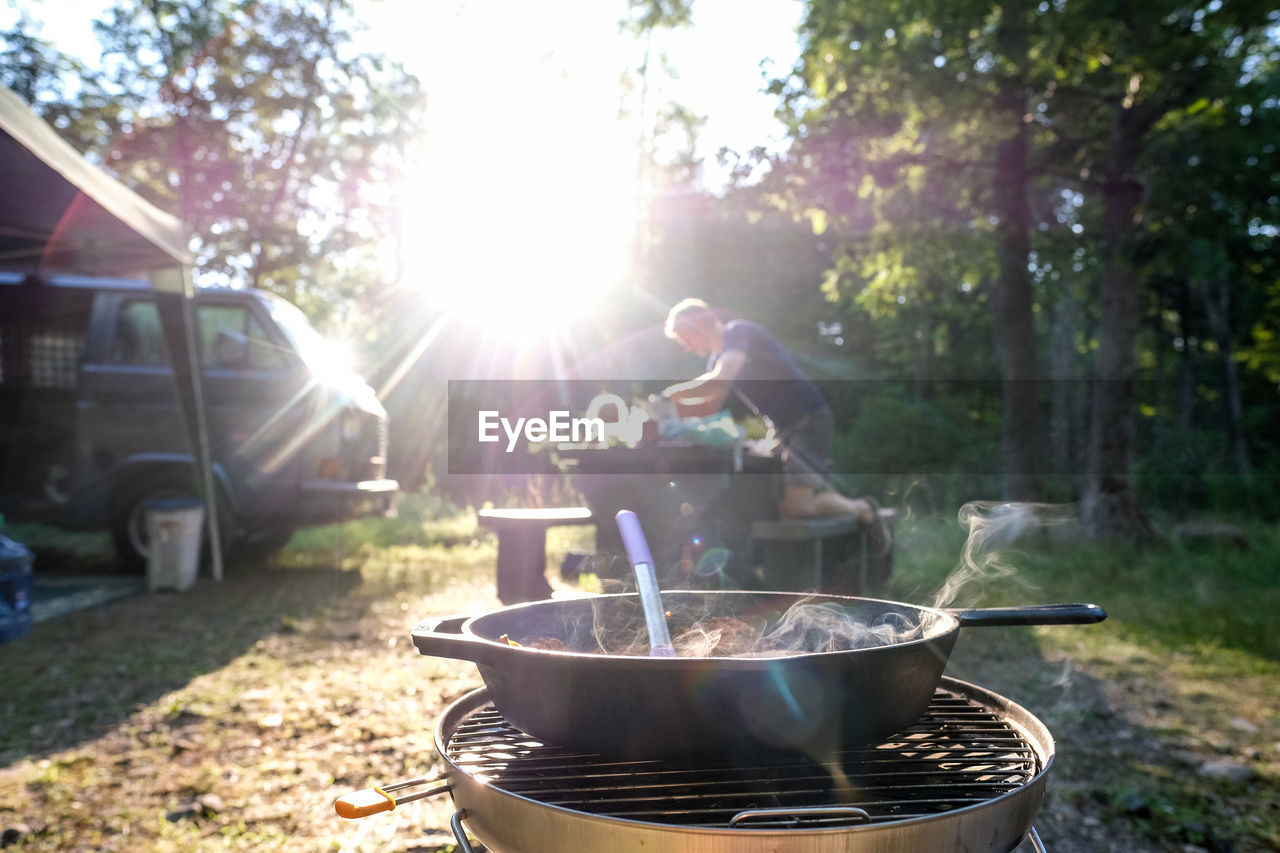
(509, 823)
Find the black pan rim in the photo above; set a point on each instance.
(947, 625)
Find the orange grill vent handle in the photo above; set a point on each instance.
(373, 800)
(364, 803)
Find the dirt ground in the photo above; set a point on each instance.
(232, 717)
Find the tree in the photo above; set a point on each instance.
(1031, 129)
(32, 67)
(1213, 184)
(1126, 78)
(259, 124)
(915, 111)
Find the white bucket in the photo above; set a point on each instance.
(173, 532)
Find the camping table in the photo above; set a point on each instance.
(688, 497)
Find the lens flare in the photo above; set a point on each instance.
(712, 562)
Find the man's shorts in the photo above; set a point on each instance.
(806, 450)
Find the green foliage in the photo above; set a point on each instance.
(258, 124)
(32, 67)
(902, 114)
(1149, 163)
(648, 15)
(893, 432)
(916, 452)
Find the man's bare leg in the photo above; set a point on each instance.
(806, 502)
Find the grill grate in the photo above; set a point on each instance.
(959, 754)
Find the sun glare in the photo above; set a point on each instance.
(522, 214)
(523, 253)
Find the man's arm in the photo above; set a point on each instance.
(705, 394)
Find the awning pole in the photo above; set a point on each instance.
(173, 285)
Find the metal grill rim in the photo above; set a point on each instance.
(961, 753)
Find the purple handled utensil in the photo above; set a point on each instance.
(647, 582)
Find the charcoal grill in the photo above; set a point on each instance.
(968, 776)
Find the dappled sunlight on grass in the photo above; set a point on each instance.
(1216, 603)
(234, 715)
(420, 520)
(231, 717)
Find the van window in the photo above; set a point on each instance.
(232, 339)
(139, 339)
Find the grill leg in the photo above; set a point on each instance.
(455, 823)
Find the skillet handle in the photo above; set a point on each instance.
(443, 638)
(1038, 614)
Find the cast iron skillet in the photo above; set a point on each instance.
(647, 707)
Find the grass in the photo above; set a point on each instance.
(232, 716)
(1172, 597)
(1184, 673)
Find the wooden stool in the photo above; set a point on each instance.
(522, 547)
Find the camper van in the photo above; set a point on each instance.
(91, 429)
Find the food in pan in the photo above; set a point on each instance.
(713, 636)
(719, 636)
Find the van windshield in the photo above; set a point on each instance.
(319, 356)
(325, 361)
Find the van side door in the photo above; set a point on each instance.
(128, 403)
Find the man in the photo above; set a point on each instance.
(744, 358)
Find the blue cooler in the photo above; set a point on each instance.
(15, 589)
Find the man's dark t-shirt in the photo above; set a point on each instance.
(770, 381)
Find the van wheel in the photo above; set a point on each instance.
(129, 527)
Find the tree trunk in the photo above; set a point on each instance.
(1066, 401)
(1216, 295)
(1187, 473)
(923, 378)
(1014, 319)
(1109, 508)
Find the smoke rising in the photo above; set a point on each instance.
(831, 627)
(993, 528)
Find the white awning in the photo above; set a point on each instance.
(61, 213)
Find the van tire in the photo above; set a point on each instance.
(128, 524)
